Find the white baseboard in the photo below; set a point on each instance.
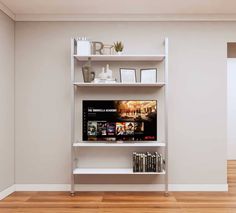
(198, 187)
(121, 187)
(7, 192)
(113, 187)
(42, 187)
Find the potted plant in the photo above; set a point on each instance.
(118, 46)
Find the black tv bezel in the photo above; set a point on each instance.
(134, 141)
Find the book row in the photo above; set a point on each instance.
(148, 162)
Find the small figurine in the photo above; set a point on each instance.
(102, 75)
(109, 72)
(106, 73)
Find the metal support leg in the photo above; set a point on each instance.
(74, 162)
(72, 191)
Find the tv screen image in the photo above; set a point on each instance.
(119, 120)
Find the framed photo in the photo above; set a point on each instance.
(148, 75)
(127, 75)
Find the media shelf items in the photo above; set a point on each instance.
(120, 133)
(148, 162)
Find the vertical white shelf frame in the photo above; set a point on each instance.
(76, 171)
(166, 76)
(72, 116)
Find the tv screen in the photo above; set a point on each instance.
(119, 120)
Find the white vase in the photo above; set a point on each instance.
(119, 53)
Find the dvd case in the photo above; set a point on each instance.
(148, 162)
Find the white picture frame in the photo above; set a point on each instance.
(148, 76)
(127, 75)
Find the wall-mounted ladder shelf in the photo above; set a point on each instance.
(79, 144)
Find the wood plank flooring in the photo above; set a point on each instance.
(125, 202)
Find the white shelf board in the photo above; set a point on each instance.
(105, 171)
(102, 144)
(138, 84)
(121, 57)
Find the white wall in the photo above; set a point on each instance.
(231, 64)
(197, 111)
(7, 101)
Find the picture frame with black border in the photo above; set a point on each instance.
(128, 75)
(148, 75)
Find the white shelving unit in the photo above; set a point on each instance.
(121, 57)
(112, 171)
(102, 144)
(82, 84)
(156, 144)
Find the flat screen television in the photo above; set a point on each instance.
(119, 120)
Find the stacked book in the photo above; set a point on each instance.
(148, 162)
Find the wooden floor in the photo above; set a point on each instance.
(125, 202)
